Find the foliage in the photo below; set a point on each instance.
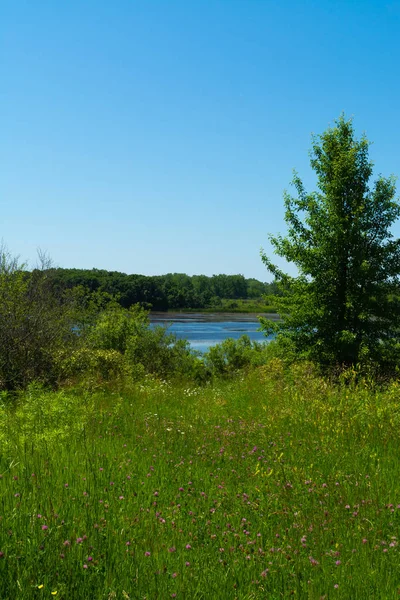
(145, 349)
(342, 307)
(35, 323)
(173, 291)
(92, 367)
(231, 356)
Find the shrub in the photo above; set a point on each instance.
(97, 365)
(35, 323)
(231, 356)
(152, 350)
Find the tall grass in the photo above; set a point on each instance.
(276, 485)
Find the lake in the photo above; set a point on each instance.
(205, 330)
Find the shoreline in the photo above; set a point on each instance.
(157, 316)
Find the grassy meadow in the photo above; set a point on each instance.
(275, 485)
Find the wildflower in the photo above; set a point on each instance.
(173, 549)
(338, 562)
(44, 527)
(79, 540)
(174, 575)
(187, 564)
(85, 566)
(364, 541)
(90, 558)
(67, 543)
(147, 553)
(1, 554)
(188, 547)
(336, 586)
(39, 516)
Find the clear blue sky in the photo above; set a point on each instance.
(158, 136)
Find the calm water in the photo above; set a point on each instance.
(204, 331)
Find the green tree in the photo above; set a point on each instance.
(342, 307)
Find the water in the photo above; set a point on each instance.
(205, 330)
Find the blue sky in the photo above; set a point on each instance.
(158, 136)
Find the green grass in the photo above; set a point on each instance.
(277, 485)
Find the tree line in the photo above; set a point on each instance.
(163, 292)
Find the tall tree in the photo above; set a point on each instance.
(342, 307)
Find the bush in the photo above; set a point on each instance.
(231, 356)
(152, 350)
(97, 365)
(35, 324)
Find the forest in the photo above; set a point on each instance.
(173, 291)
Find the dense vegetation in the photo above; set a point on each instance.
(174, 291)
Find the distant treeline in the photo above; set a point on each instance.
(165, 292)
